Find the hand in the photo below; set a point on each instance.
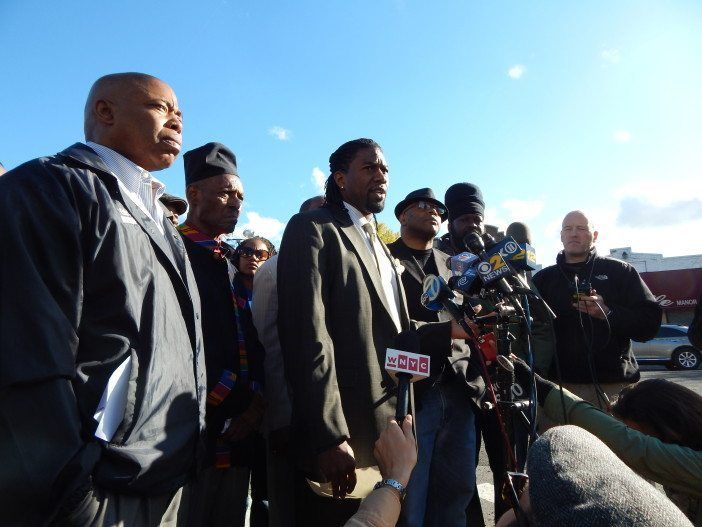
(589, 305)
(457, 332)
(249, 421)
(337, 465)
(396, 451)
(522, 374)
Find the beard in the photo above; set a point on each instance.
(375, 206)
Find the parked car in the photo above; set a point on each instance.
(670, 347)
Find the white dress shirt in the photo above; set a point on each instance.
(387, 270)
(130, 177)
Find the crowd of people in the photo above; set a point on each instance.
(151, 373)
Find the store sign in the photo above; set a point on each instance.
(678, 289)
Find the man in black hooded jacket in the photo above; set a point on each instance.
(102, 379)
(601, 305)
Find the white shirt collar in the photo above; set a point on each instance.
(356, 216)
(130, 175)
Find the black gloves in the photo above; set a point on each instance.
(522, 374)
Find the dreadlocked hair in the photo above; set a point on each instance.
(340, 161)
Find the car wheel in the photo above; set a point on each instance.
(686, 358)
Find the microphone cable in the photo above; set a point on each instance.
(602, 400)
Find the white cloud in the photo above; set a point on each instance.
(280, 133)
(522, 210)
(621, 136)
(640, 213)
(611, 55)
(318, 179)
(271, 228)
(516, 71)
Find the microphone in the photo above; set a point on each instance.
(520, 256)
(406, 365)
(460, 263)
(525, 260)
(492, 268)
(467, 283)
(519, 231)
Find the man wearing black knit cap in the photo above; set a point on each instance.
(234, 374)
(466, 209)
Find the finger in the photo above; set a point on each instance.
(351, 482)
(407, 426)
(336, 487)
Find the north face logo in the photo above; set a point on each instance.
(601, 276)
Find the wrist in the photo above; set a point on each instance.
(401, 478)
(398, 488)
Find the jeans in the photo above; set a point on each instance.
(443, 481)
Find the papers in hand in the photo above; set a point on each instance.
(110, 409)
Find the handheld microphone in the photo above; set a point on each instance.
(460, 263)
(520, 254)
(467, 283)
(493, 268)
(406, 365)
(519, 231)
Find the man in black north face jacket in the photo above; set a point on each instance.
(601, 305)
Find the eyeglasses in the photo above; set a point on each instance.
(425, 205)
(260, 254)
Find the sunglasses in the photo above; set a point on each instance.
(260, 254)
(425, 205)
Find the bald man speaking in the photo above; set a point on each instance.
(601, 305)
(101, 366)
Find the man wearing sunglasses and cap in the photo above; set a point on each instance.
(215, 194)
(443, 480)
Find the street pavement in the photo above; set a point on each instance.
(691, 379)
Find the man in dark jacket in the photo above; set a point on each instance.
(443, 480)
(601, 305)
(233, 359)
(101, 368)
(466, 209)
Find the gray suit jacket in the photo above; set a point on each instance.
(335, 325)
(264, 310)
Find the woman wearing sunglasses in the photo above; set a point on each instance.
(248, 257)
(251, 253)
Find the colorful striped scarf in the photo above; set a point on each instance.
(227, 379)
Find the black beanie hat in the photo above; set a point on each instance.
(212, 159)
(464, 198)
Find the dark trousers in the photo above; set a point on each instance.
(315, 511)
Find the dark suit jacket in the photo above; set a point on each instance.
(459, 353)
(335, 326)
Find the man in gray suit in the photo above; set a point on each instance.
(276, 419)
(341, 305)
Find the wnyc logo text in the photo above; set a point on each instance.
(398, 361)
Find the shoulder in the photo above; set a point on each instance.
(614, 265)
(396, 247)
(439, 254)
(545, 273)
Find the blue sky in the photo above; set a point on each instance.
(547, 106)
